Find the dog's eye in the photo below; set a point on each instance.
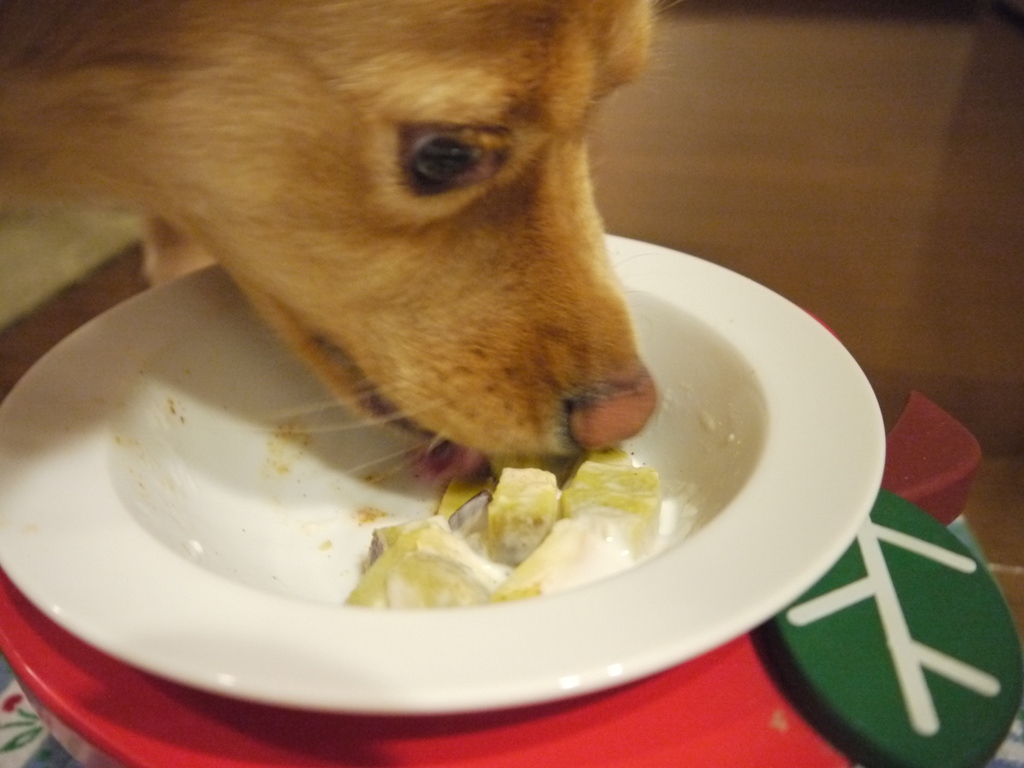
(438, 159)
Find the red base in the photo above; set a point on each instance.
(931, 459)
(720, 709)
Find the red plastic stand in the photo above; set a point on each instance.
(720, 709)
(931, 459)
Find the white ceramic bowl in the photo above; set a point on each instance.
(175, 491)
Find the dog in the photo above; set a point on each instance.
(400, 188)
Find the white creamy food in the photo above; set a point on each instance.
(523, 539)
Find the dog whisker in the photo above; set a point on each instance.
(332, 427)
(389, 470)
(296, 420)
(298, 411)
(434, 441)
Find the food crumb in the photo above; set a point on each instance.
(367, 515)
(285, 446)
(326, 545)
(293, 433)
(779, 721)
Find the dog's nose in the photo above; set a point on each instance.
(620, 411)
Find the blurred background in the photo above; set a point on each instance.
(864, 159)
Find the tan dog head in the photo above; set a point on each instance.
(402, 189)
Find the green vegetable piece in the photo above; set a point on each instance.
(563, 545)
(522, 512)
(458, 492)
(424, 565)
(609, 456)
(560, 466)
(630, 496)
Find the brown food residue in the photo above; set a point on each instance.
(172, 408)
(367, 515)
(285, 446)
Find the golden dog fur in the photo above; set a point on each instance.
(273, 135)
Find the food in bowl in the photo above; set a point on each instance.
(768, 447)
(524, 539)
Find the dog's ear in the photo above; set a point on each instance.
(628, 27)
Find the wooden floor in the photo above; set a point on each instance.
(865, 160)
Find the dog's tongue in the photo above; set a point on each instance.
(447, 460)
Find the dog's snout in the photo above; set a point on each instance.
(619, 411)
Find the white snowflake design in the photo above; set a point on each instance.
(910, 657)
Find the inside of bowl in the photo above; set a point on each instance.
(227, 451)
(708, 432)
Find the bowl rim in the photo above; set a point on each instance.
(788, 524)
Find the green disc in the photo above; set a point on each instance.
(904, 655)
